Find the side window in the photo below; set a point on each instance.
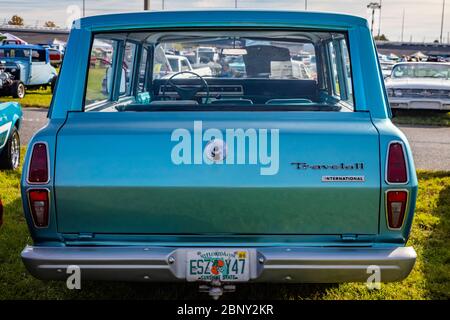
(38, 55)
(100, 74)
(340, 71)
(347, 70)
(143, 65)
(128, 61)
(334, 69)
(104, 82)
(185, 65)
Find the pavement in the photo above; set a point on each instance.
(430, 145)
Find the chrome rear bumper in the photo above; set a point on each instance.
(268, 264)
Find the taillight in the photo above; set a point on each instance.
(38, 170)
(1, 212)
(39, 203)
(396, 164)
(396, 201)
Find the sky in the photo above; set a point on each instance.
(422, 17)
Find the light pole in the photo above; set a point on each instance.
(306, 5)
(163, 5)
(146, 4)
(373, 6)
(379, 21)
(442, 20)
(84, 8)
(235, 4)
(403, 24)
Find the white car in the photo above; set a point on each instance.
(419, 85)
(181, 64)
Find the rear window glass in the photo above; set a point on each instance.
(214, 70)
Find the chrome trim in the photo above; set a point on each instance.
(267, 264)
(48, 165)
(386, 210)
(386, 164)
(29, 204)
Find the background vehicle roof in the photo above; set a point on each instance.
(21, 46)
(227, 18)
(423, 62)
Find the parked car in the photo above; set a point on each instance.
(9, 86)
(221, 180)
(181, 63)
(55, 55)
(30, 64)
(419, 85)
(10, 120)
(386, 68)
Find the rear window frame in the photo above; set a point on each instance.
(150, 51)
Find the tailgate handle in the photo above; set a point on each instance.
(349, 237)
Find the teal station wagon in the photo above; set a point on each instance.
(265, 175)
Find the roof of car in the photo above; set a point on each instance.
(422, 62)
(272, 18)
(22, 46)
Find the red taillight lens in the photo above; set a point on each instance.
(38, 172)
(396, 201)
(1, 212)
(396, 165)
(39, 206)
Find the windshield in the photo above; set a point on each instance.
(238, 70)
(421, 70)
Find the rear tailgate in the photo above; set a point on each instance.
(115, 174)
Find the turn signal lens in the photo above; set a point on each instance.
(39, 203)
(396, 165)
(396, 207)
(38, 171)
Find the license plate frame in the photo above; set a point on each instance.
(225, 265)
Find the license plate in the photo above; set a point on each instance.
(218, 264)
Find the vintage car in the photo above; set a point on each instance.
(419, 85)
(9, 86)
(29, 64)
(220, 180)
(10, 120)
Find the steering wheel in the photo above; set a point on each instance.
(186, 93)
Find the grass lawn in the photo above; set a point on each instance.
(33, 98)
(430, 278)
(422, 117)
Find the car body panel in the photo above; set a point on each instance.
(185, 193)
(10, 116)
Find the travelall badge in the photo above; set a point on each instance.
(341, 166)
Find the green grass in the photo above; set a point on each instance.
(422, 117)
(40, 98)
(430, 278)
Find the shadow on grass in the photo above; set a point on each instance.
(436, 254)
(189, 291)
